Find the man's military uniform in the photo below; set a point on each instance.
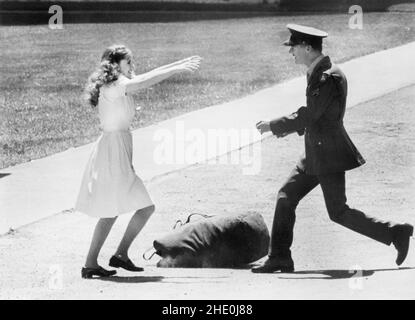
(329, 152)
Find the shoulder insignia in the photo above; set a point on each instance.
(324, 77)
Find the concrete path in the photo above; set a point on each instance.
(40, 188)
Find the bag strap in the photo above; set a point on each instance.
(174, 227)
(151, 256)
(189, 217)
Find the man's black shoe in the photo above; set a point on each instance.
(272, 264)
(401, 235)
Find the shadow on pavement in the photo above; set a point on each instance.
(2, 175)
(143, 279)
(340, 274)
(136, 279)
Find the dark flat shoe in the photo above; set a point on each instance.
(116, 262)
(272, 265)
(88, 273)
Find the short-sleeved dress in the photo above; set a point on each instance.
(110, 186)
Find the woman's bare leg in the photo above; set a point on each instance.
(137, 222)
(101, 232)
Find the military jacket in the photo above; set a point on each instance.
(328, 147)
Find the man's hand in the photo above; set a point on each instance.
(263, 126)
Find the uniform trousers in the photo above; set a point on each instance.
(300, 184)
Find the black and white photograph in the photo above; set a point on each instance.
(232, 151)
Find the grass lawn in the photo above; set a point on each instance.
(43, 71)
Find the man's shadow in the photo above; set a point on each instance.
(336, 274)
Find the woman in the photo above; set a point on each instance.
(110, 186)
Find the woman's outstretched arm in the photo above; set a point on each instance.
(193, 58)
(157, 75)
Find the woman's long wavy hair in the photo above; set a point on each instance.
(107, 72)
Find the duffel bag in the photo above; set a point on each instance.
(223, 241)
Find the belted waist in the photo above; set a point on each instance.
(326, 126)
(331, 125)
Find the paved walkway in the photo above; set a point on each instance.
(40, 188)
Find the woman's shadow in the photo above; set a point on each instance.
(134, 279)
(144, 279)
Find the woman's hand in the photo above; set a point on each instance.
(189, 64)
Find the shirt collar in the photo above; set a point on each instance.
(313, 64)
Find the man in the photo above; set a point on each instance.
(329, 152)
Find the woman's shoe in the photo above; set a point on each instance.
(88, 273)
(116, 262)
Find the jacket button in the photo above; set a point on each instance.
(319, 143)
